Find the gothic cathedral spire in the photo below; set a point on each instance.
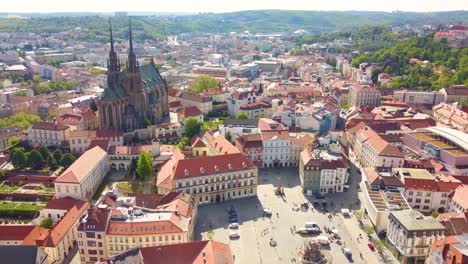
(132, 62)
(113, 67)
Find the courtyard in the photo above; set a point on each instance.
(256, 230)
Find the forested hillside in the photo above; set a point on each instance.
(447, 65)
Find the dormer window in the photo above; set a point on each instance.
(186, 172)
(244, 165)
(230, 166)
(202, 170)
(216, 168)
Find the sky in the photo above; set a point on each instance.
(195, 6)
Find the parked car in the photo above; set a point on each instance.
(323, 240)
(233, 219)
(233, 225)
(233, 235)
(267, 212)
(371, 246)
(347, 252)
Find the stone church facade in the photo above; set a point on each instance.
(133, 95)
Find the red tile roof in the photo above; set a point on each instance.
(65, 203)
(250, 141)
(129, 150)
(15, 232)
(220, 144)
(196, 252)
(49, 126)
(195, 167)
(82, 166)
(51, 237)
(189, 111)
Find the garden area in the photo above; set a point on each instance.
(19, 209)
(40, 160)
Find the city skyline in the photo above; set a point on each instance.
(186, 6)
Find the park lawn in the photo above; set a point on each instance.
(5, 188)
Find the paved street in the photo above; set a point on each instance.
(256, 231)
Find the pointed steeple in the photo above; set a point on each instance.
(111, 37)
(132, 62)
(113, 67)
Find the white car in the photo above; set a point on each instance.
(233, 225)
(233, 235)
(267, 211)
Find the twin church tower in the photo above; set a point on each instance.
(133, 94)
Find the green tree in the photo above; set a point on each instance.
(192, 127)
(144, 167)
(51, 161)
(58, 154)
(35, 160)
(46, 223)
(23, 120)
(146, 122)
(369, 229)
(359, 214)
(12, 142)
(228, 136)
(434, 214)
(202, 83)
(44, 152)
(380, 245)
(67, 160)
(19, 158)
(242, 116)
(2, 173)
(183, 143)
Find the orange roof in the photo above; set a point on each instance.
(196, 252)
(65, 203)
(189, 111)
(220, 144)
(15, 232)
(83, 133)
(130, 150)
(117, 227)
(82, 166)
(52, 237)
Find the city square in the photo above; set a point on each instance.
(256, 230)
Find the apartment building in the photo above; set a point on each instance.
(80, 141)
(428, 193)
(452, 115)
(411, 235)
(205, 104)
(122, 157)
(370, 149)
(83, 177)
(363, 95)
(143, 220)
(48, 134)
(252, 147)
(322, 171)
(419, 97)
(209, 179)
(238, 127)
(449, 250)
(455, 93)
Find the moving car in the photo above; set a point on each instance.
(233, 225)
(312, 227)
(233, 235)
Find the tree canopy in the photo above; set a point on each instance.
(242, 116)
(202, 83)
(144, 167)
(66, 160)
(192, 127)
(21, 119)
(421, 63)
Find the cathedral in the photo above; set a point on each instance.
(134, 96)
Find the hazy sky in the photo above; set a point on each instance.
(227, 5)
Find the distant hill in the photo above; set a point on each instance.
(266, 21)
